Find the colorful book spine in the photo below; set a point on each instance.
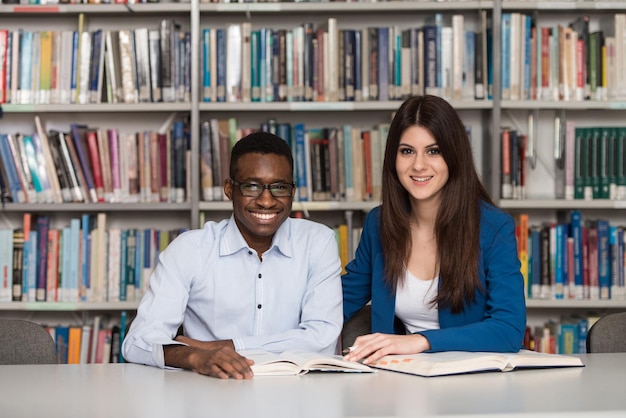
(17, 193)
(604, 259)
(43, 225)
(94, 162)
(301, 162)
(178, 166)
(6, 264)
(74, 274)
(78, 137)
(85, 266)
(576, 232)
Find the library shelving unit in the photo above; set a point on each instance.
(20, 117)
(537, 119)
(485, 116)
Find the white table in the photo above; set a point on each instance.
(129, 390)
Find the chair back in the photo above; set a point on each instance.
(359, 324)
(25, 342)
(608, 334)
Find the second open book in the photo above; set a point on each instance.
(457, 362)
(295, 362)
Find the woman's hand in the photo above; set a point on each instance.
(372, 347)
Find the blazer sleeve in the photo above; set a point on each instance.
(357, 282)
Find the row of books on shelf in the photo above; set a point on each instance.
(324, 63)
(93, 343)
(88, 261)
(562, 62)
(89, 164)
(582, 259)
(80, 261)
(98, 66)
(331, 164)
(591, 162)
(567, 336)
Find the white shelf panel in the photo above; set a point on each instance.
(563, 105)
(95, 207)
(155, 8)
(575, 304)
(299, 206)
(343, 7)
(556, 204)
(324, 106)
(68, 306)
(97, 107)
(559, 6)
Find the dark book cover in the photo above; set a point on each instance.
(42, 225)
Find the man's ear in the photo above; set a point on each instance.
(228, 189)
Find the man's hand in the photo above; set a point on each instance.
(211, 358)
(371, 347)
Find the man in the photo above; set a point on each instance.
(259, 280)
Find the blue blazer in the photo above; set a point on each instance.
(496, 321)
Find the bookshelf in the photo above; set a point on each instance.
(485, 116)
(540, 119)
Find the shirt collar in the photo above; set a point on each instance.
(233, 241)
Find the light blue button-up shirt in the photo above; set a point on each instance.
(211, 281)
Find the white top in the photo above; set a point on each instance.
(413, 303)
(214, 284)
(135, 391)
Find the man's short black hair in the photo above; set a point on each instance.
(262, 143)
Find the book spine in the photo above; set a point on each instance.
(73, 274)
(62, 171)
(604, 263)
(576, 231)
(15, 188)
(155, 65)
(155, 167)
(42, 225)
(218, 180)
(255, 66)
(18, 265)
(206, 65)
(94, 155)
(52, 273)
(166, 32)
(79, 142)
(6, 264)
(114, 152)
(85, 266)
(178, 144)
(220, 36)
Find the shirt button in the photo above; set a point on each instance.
(260, 275)
(259, 306)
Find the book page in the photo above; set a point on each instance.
(527, 358)
(457, 362)
(293, 362)
(311, 361)
(444, 363)
(270, 364)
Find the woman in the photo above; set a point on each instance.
(437, 259)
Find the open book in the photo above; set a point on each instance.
(456, 362)
(294, 362)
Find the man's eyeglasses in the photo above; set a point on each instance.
(250, 189)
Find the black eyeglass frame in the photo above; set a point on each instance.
(241, 184)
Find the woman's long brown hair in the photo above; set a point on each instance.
(457, 227)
